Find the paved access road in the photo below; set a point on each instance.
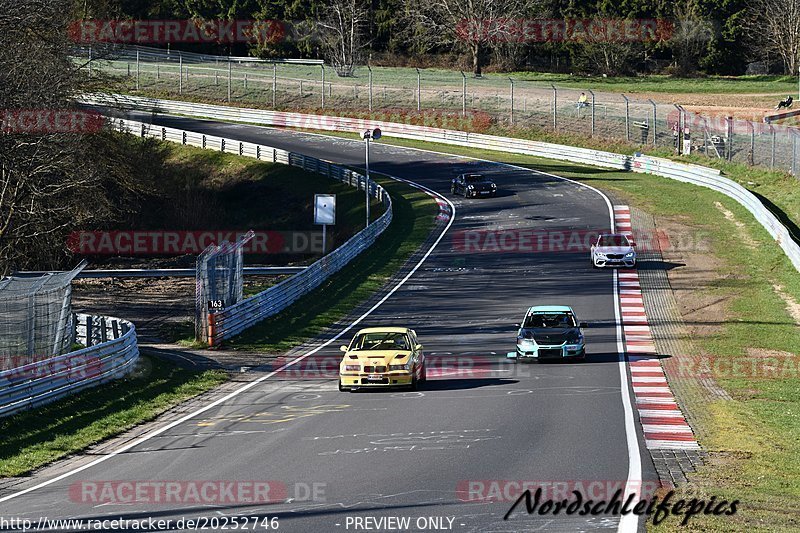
(337, 457)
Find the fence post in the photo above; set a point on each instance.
(180, 73)
(627, 119)
(419, 91)
(369, 68)
(245, 81)
(794, 152)
(772, 151)
(158, 71)
(555, 107)
(463, 94)
(275, 82)
(322, 68)
(511, 113)
(655, 118)
(592, 93)
(137, 70)
(90, 60)
(229, 78)
(752, 143)
(729, 134)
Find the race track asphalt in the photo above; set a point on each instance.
(402, 454)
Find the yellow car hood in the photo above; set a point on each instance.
(377, 357)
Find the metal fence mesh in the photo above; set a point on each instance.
(518, 102)
(36, 319)
(219, 280)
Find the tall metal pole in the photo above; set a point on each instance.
(555, 107)
(180, 73)
(137, 70)
(655, 117)
(366, 183)
(592, 93)
(229, 78)
(511, 111)
(322, 67)
(419, 91)
(275, 83)
(627, 119)
(370, 87)
(463, 94)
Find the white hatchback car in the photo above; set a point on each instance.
(613, 249)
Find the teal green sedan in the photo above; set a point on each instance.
(550, 332)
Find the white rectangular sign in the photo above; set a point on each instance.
(325, 209)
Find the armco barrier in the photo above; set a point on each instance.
(111, 352)
(696, 174)
(238, 317)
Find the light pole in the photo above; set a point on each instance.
(367, 136)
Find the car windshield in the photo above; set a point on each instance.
(380, 341)
(613, 240)
(550, 320)
(475, 179)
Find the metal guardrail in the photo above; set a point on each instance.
(163, 272)
(238, 317)
(696, 174)
(111, 352)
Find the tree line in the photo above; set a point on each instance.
(692, 36)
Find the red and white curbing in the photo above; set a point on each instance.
(663, 423)
(444, 209)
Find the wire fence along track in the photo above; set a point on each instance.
(305, 84)
(696, 174)
(236, 318)
(36, 319)
(111, 352)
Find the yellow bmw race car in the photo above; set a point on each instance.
(382, 357)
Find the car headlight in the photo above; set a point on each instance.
(352, 368)
(600, 254)
(470, 187)
(494, 186)
(406, 366)
(521, 341)
(630, 254)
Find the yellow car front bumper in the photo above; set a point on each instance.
(362, 380)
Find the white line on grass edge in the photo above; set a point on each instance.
(252, 384)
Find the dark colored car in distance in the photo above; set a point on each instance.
(473, 186)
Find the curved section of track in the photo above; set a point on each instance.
(478, 420)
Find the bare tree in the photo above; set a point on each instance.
(474, 24)
(342, 32)
(52, 180)
(775, 26)
(690, 36)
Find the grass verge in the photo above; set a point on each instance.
(413, 220)
(753, 440)
(35, 438)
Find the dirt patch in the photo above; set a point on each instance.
(792, 306)
(740, 226)
(693, 269)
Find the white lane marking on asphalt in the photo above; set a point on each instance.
(260, 380)
(628, 523)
